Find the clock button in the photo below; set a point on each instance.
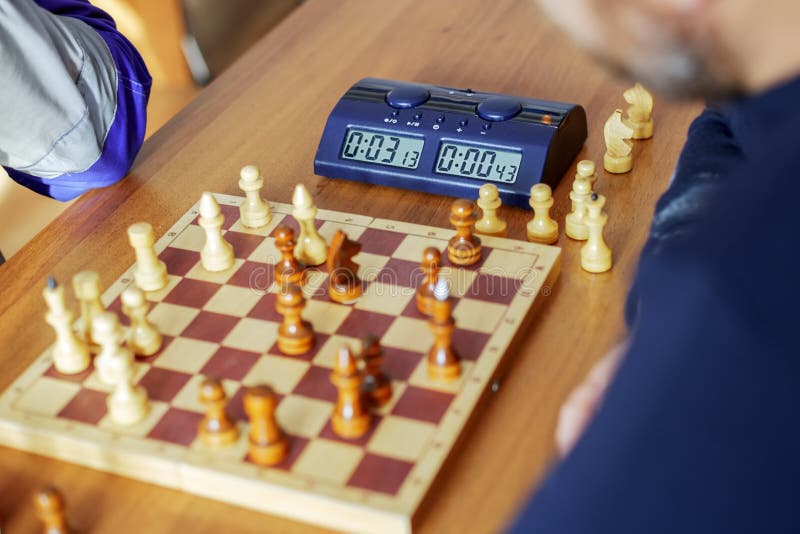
(407, 96)
(499, 108)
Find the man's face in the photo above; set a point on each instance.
(667, 45)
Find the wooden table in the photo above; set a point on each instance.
(270, 109)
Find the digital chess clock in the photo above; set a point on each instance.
(449, 141)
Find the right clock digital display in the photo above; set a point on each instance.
(478, 162)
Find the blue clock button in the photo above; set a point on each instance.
(499, 108)
(407, 96)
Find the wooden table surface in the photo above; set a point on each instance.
(270, 109)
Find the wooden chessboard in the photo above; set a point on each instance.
(225, 325)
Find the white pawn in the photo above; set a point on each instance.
(311, 249)
(595, 254)
(151, 272)
(86, 285)
(542, 228)
(217, 254)
(489, 202)
(253, 212)
(70, 354)
(586, 169)
(108, 333)
(128, 403)
(144, 339)
(575, 226)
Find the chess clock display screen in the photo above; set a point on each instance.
(477, 162)
(382, 148)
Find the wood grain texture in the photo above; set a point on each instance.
(270, 109)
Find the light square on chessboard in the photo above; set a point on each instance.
(400, 437)
(188, 397)
(158, 296)
(265, 230)
(94, 382)
(459, 280)
(191, 238)
(328, 460)
(232, 300)
(252, 335)
(303, 416)
(198, 272)
(420, 377)
(327, 354)
(409, 334)
(47, 396)
(325, 316)
(282, 373)
(172, 319)
(369, 265)
(155, 411)
(508, 264)
(385, 298)
(266, 252)
(413, 246)
(186, 355)
(478, 315)
(351, 230)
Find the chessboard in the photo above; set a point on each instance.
(225, 325)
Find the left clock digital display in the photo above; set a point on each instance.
(382, 148)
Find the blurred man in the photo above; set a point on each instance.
(73, 97)
(690, 426)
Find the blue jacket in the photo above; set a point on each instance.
(698, 432)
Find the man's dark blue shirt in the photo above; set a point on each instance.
(698, 432)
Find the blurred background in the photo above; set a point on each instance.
(186, 44)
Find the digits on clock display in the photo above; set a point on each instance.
(476, 162)
(382, 148)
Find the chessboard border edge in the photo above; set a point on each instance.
(252, 493)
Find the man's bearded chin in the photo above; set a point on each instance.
(679, 73)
